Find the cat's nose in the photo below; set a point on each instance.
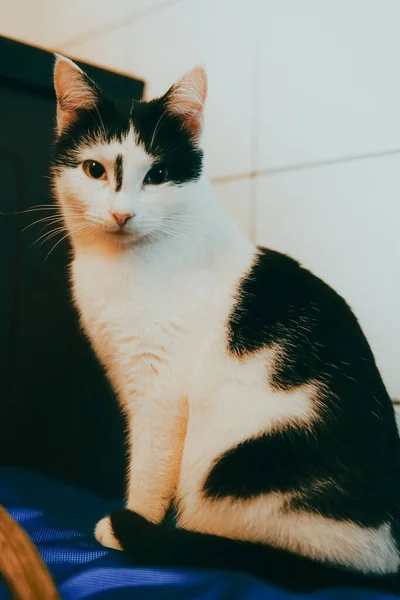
(120, 218)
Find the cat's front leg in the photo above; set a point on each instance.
(157, 430)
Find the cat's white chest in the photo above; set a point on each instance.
(139, 327)
(158, 322)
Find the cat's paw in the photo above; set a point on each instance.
(104, 534)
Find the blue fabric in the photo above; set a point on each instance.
(60, 520)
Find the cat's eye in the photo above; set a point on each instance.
(94, 169)
(156, 175)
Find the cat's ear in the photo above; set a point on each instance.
(186, 99)
(74, 91)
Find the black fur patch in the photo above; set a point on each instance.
(156, 546)
(165, 137)
(119, 172)
(162, 134)
(103, 124)
(347, 464)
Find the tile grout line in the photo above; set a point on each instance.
(122, 21)
(303, 166)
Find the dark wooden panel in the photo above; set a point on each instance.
(58, 414)
(9, 176)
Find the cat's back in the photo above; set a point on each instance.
(278, 302)
(317, 340)
(276, 297)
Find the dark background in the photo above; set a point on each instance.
(57, 412)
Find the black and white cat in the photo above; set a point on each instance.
(252, 398)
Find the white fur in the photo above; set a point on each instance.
(104, 534)
(154, 304)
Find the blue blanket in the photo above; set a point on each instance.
(60, 520)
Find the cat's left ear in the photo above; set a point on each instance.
(186, 99)
(74, 90)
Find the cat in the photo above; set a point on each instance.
(253, 402)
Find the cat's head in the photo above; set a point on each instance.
(126, 173)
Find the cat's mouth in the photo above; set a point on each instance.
(120, 232)
(124, 236)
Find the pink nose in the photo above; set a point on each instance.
(120, 218)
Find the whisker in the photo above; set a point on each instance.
(50, 219)
(64, 237)
(173, 217)
(176, 229)
(38, 207)
(55, 246)
(23, 212)
(91, 230)
(48, 235)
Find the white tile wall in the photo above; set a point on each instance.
(56, 24)
(235, 198)
(24, 20)
(328, 83)
(50, 23)
(342, 222)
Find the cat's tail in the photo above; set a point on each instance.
(153, 545)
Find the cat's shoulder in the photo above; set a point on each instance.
(282, 282)
(277, 295)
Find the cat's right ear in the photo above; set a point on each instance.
(74, 91)
(186, 100)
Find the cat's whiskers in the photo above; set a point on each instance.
(47, 235)
(69, 231)
(171, 233)
(180, 218)
(55, 245)
(182, 229)
(175, 232)
(37, 208)
(183, 223)
(28, 210)
(91, 230)
(153, 234)
(50, 219)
